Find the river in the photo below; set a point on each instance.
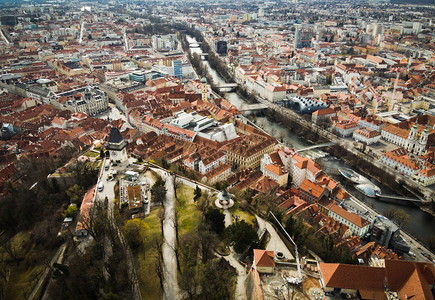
(421, 223)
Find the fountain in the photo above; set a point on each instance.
(224, 200)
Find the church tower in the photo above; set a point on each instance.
(423, 141)
(412, 140)
(204, 90)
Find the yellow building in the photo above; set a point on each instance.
(247, 153)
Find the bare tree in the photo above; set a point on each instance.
(158, 262)
(161, 215)
(4, 278)
(12, 251)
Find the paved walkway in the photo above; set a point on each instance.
(58, 257)
(233, 260)
(170, 284)
(275, 243)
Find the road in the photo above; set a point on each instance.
(233, 260)
(3, 36)
(113, 113)
(109, 192)
(125, 41)
(82, 29)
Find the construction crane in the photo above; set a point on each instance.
(299, 279)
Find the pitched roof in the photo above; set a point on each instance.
(312, 188)
(351, 217)
(410, 279)
(264, 258)
(115, 136)
(278, 170)
(369, 281)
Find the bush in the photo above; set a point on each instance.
(70, 212)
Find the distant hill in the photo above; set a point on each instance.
(426, 2)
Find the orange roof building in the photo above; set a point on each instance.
(263, 261)
(311, 192)
(357, 224)
(399, 279)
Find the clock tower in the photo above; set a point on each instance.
(116, 146)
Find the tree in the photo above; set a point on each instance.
(431, 242)
(12, 251)
(401, 217)
(133, 231)
(165, 163)
(70, 212)
(158, 191)
(197, 193)
(207, 242)
(220, 185)
(295, 229)
(216, 219)
(75, 192)
(242, 234)
(158, 261)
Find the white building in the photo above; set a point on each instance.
(426, 176)
(345, 128)
(366, 136)
(398, 159)
(395, 135)
(90, 100)
(414, 144)
(358, 225)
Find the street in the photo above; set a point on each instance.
(113, 113)
(109, 192)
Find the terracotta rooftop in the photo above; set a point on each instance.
(312, 188)
(351, 217)
(275, 169)
(369, 281)
(264, 258)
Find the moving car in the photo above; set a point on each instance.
(100, 186)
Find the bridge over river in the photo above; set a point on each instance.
(316, 147)
(227, 86)
(252, 107)
(400, 198)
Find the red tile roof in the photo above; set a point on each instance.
(312, 188)
(369, 281)
(264, 258)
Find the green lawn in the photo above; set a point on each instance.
(188, 215)
(148, 279)
(23, 276)
(244, 215)
(91, 153)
